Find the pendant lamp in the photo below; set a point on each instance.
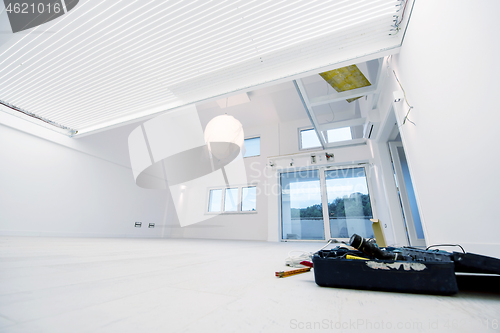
(225, 138)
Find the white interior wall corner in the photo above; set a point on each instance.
(451, 148)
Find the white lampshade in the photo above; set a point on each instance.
(224, 137)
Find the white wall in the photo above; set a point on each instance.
(72, 187)
(251, 226)
(449, 68)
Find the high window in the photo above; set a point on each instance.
(308, 139)
(339, 134)
(252, 147)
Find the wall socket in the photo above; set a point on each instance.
(151, 225)
(138, 224)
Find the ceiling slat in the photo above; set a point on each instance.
(105, 61)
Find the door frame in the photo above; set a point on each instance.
(324, 197)
(403, 195)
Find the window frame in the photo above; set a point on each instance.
(322, 170)
(241, 199)
(250, 138)
(334, 129)
(299, 135)
(208, 200)
(239, 204)
(238, 199)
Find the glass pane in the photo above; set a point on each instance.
(215, 201)
(301, 209)
(339, 134)
(411, 194)
(249, 199)
(309, 139)
(349, 207)
(252, 147)
(231, 200)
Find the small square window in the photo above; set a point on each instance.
(252, 147)
(309, 139)
(215, 201)
(339, 134)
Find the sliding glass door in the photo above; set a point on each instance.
(321, 204)
(301, 207)
(349, 205)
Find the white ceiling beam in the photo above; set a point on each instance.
(305, 101)
(353, 142)
(379, 82)
(341, 124)
(331, 98)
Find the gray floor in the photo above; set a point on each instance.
(167, 285)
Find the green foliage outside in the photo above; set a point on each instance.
(356, 205)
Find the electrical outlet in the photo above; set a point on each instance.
(138, 224)
(151, 225)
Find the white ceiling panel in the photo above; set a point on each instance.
(109, 62)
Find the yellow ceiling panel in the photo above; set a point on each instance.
(346, 78)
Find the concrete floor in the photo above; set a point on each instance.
(169, 285)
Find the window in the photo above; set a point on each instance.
(301, 211)
(309, 139)
(249, 199)
(344, 190)
(349, 205)
(339, 134)
(252, 147)
(215, 201)
(231, 200)
(239, 199)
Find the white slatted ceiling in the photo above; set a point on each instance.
(107, 62)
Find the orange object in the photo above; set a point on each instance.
(292, 272)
